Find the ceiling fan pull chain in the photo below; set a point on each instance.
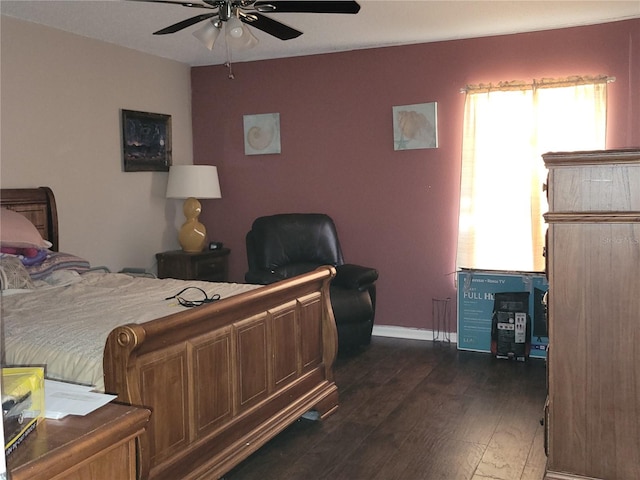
(228, 62)
(231, 75)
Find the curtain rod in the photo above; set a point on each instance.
(542, 83)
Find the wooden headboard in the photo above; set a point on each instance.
(38, 205)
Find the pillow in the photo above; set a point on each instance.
(17, 231)
(58, 261)
(28, 256)
(13, 274)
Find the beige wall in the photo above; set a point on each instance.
(60, 127)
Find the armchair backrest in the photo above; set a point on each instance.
(280, 242)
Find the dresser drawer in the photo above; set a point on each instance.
(595, 188)
(603, 184)
(99, 445)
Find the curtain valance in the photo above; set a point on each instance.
(537, 83)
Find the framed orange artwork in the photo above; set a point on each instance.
(415, 126)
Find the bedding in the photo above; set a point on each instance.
(13, 274)
(65, 326)
(55, 261)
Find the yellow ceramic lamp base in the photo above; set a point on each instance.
(193, 234)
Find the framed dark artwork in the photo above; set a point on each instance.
(146, 141)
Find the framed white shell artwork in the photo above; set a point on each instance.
(415, 126)
(262, 134)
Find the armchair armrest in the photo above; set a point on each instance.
(354, 276)
(262, 277)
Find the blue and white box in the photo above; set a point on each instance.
(476, 289)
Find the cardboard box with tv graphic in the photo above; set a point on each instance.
(22, 403)
(475, 305)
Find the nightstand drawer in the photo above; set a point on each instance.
(211, 268)
(209, 265)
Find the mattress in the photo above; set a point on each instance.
(65, 327)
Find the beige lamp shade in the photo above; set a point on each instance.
(192, 182)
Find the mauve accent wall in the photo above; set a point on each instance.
(394, 210)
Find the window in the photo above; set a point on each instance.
(506, 131)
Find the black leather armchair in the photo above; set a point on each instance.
(284, 245)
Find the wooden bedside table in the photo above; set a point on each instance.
(99, 445)
(209, 265)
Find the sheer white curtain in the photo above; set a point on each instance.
(506, 131)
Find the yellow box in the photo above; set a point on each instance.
(22, 403)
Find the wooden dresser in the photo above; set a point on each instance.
(98, 446)
(593, 415)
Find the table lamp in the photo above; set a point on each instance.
(192, 182)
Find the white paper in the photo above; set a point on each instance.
(62, 399)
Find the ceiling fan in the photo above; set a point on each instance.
(235, 14)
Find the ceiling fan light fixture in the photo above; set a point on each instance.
(208, 33)
(244, 42)
(235, 28)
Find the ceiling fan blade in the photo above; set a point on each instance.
(184, 24)
(309, 6)
(175, 2)
(270, 26)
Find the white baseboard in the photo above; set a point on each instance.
(410, 333)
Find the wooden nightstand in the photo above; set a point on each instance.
(99, 445)
(209, 265)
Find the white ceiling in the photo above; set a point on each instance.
(379, 23)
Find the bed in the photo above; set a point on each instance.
(220, 379)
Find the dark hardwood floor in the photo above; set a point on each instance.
(417, 410)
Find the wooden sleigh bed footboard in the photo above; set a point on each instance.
(224, 378)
